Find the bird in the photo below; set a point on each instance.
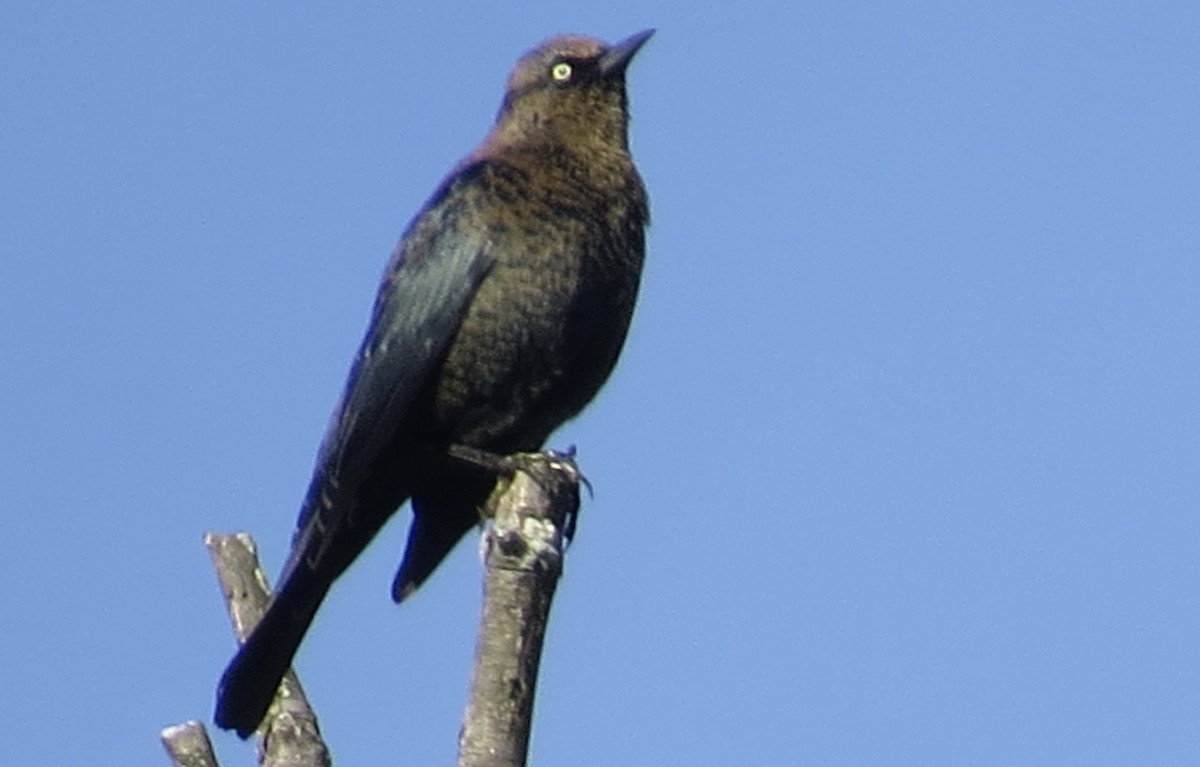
(501, 313)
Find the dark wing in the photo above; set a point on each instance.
(426, 291)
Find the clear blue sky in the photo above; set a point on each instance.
(899, 466)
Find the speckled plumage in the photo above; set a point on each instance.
(500, 315)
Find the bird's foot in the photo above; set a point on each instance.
(543, 467)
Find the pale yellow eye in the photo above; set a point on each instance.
(561, 71)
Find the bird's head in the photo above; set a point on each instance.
(570, 91)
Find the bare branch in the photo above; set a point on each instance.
(523, 560)
(188, 745)
(290, 735)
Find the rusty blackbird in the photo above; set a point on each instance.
(501, 314)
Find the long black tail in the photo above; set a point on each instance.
(249, 683)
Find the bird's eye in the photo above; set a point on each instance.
(561, 72)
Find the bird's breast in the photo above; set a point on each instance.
(545, 328)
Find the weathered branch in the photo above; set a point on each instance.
(188, 745)
(531, 509)
(290, 733)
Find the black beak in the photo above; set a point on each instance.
(617, 57)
